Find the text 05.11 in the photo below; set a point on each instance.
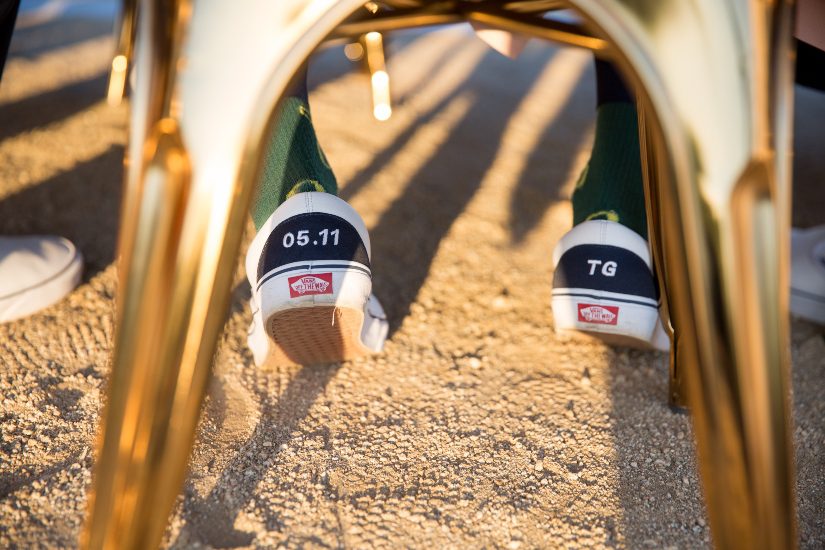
(302, 239)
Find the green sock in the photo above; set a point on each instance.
(611, 187)
(294, 161)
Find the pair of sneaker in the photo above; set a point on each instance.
(309, 268)
(312, 301)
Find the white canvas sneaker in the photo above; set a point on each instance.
(309, 268)
(603, 284)
(35, 272)
(808, 273)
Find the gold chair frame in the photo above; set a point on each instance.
(714, 85)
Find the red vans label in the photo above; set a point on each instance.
(604, 315)
(307, 285)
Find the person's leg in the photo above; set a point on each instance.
(603, 281)
(309, 264)
(610, 188)
(294, 160)
(35, 271)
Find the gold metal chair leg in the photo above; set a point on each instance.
(373, 44)
(191, 167)
(125, 37)
(656, 221)
(716, 143)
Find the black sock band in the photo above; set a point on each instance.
(610, 86)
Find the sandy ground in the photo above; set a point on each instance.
(478, 427)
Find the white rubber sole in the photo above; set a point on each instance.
(616, 322)
(33, 299)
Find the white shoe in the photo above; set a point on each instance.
(309, 268)
(603, 284)
(35, 272)
(808, 273)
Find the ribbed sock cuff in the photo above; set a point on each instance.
(294, 161)
(611, 186)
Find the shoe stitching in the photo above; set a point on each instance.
(51, 279)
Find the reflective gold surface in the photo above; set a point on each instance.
(379, 78)
(719, 180)
(716, 151)
(125, 32)
(713, 80)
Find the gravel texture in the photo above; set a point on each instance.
(478, 426)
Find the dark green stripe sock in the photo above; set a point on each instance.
(611, 187)
(294, 161)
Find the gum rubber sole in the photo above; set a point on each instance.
(316, 335)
